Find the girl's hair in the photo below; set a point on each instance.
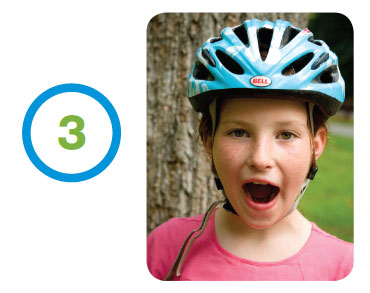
(205, 125)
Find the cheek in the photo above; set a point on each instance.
(298, 153)
(227, 157)
(299, 159)
(297, 164)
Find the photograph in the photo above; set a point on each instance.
(250, 147)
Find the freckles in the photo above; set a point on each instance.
(298, 160)
(296, 166)
(229, 156)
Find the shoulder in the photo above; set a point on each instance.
(330, 242)
(175, 229)
(333, 255)
(165, 241)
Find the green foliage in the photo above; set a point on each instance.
(328, 200)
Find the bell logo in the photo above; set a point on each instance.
(260, 81)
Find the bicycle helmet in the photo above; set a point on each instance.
(266, 59)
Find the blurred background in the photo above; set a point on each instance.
(329, 199)
(179, 178)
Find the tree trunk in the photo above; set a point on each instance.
(179, 177)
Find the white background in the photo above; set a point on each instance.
(91, 236)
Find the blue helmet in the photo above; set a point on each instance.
(266, 59)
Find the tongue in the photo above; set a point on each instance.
(259, 190)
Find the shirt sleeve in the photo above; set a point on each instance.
(159, 256)
(346, 264)
(164, 243)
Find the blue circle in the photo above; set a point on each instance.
(77, 88)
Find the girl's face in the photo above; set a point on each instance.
(262, 152)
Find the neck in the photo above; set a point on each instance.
(235, 223)
(289, 234)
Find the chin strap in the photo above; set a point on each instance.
(301, 192)
(214, 117)
(227, 206)
(313, 170)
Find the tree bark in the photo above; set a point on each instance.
(179, 177)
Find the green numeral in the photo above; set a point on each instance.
(74, 131)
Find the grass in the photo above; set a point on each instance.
(328, 200)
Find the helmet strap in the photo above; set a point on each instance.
(313, 169)
(214, 117)
(301, 192)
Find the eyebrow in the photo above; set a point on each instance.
(280, 123)
(290, 122)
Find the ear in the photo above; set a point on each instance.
(207, 142)
(320, 141)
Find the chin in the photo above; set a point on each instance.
(260, 225)
(263, 215)
(262, 220)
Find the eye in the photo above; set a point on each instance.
(286, 135)
(238, 133)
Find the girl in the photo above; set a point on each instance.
(265, 91)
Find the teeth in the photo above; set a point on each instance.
(261, 183)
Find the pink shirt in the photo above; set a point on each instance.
(323, 257)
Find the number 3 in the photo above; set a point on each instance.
(73, 131)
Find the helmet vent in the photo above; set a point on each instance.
(288, 35)
(201, 72)
(316, 42)
(215, 39)
(229, 63)
(329, 75)
(322, 58)
(206, 55)
(241, 33)
(264, 36)
(298, 65)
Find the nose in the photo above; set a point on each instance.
(260, 156)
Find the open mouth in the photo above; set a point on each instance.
(261, 192)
